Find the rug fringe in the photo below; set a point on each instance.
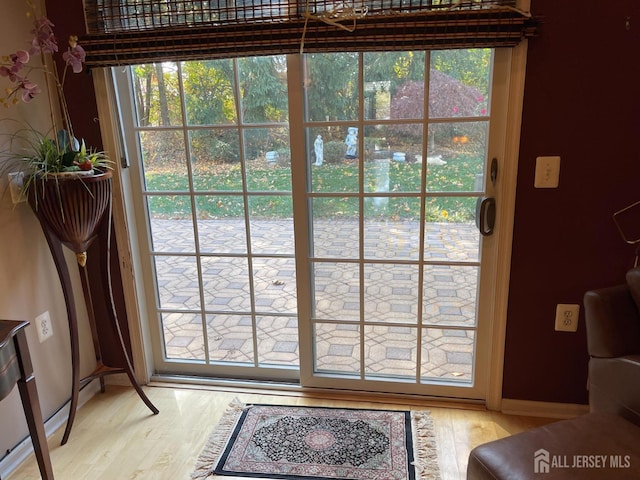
(424, 440)
(217, 440)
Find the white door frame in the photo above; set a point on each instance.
(131, 263)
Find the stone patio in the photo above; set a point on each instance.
(391, 297)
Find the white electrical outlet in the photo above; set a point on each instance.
(567, 317)
(547, 172)
(44, 326)
(16, 180)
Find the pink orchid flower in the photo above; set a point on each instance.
(19, 59)
(74, 56)
(44, 41)
(29, 91)
(5, 71)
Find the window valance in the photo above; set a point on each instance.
(122, 32)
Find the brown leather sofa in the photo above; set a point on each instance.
(612, 317)
(611, 431)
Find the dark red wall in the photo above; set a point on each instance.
(581, 102)
(68, 18)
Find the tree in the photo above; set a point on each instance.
(263, 86)
(471, 66)
(142, 77)
(263, 91)
(156, 93)
(448, 97)
(162, 100)
(394, 67)
(208, 89)
(332, 86)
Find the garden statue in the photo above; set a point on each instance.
(318, 146)
(352, 143)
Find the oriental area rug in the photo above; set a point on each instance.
(317, 443)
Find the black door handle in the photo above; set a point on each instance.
(486, 215)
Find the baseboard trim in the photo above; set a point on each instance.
(542, 409)
(25, 448)
(120, 379)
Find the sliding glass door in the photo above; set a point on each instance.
(313, 218)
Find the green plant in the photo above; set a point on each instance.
(26, 150)
(36, 155)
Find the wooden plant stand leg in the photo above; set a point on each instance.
(67, 290)
(104, 238)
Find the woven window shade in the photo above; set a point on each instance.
(122, 32)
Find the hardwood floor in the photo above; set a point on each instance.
(116, 438)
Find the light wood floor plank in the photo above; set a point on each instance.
(116, 438)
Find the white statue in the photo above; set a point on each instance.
(318, 146)
(352, 143)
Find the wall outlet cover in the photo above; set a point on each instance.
(16, 180)
(567, 317)
(43, 326)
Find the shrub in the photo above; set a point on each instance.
(334, 151)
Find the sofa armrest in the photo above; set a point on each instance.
(614, 386)
(612, 321)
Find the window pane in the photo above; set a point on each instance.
(169, 207)
(274, 283)
(391, 351)
(331, 86)
(157, 94)
(271, 222)
(450, 210)
(450, 294)
(337, 348)
(393, 158)
(263, 86)
(460, 162)
(267, 159)
(337, 170)
(215, 159)
(392, 228)
(208, 91)
(170, 234)
(183, 337)
(221, 235)
(178, 286)
(220, 206)
(447, 354)
(230, 338)
(278, 341)
(391, 293)
(394, 85)
(226, 284)
(164, 160)
(335, 227)
(459, 84)
(336, 290)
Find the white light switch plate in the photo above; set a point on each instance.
(547, 172)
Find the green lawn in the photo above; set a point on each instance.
(458, 175)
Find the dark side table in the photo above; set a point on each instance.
(16, 367)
